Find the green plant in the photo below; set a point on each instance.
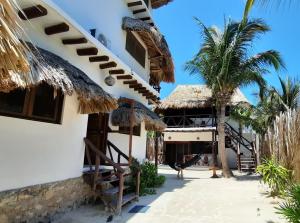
(275, 176)
(149, 179)
(290, 209)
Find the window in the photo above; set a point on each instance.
(126, 130)
(136, 50)
(42, 103)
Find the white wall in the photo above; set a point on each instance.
(106, 16)
(122, 142)
(187, 136)
(34, 152)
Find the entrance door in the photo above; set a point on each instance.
(97, 134)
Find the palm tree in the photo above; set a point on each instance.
(288, 96)
(224, 63)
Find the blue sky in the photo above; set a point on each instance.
(176, 22)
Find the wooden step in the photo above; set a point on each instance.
(114, 190)
(126, 199)
(106, 181)
(101, 171)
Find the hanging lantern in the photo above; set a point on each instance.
(109, 80)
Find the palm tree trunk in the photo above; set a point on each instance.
(227, 173)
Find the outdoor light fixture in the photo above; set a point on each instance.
(109, 80)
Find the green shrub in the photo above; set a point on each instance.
(149, 178)
(274, 175)
(290, 209)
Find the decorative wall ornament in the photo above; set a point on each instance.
(109, 80)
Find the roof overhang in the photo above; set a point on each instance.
(57, 24)
(161, 62)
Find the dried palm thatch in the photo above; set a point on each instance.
(13, 54)
(162, 67)
(194, 96)
(121, 116)
(159, 3)
(283, 140)
(55, 71)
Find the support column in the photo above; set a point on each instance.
(131, 131)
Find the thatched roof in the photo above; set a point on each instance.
(55, 71)
(158, 3)
(162, 67)
(121, 116)
(13, 54)
(194, 96)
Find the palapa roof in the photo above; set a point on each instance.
(195, 96)
(158, 3)
(161, 62)
(121, 116)
(57, 72)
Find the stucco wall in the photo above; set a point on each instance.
(138, 144)
(106, 17)
(187, 136)
(34, 152)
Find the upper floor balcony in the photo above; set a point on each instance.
(190, 121)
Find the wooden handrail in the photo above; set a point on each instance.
(117, 150)
(91, 146)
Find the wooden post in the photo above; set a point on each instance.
(131, 131)
(138, 180)
(156, 149)
(120, 194)
(239, 156)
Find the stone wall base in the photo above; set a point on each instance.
(40, 203)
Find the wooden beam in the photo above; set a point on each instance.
(74, 41)
(130, 82)
(87, 51)
(119, 71)
(32, 12)
(138, 11)
(135, 85)
(132, 4)
(99, 59)
(145, 18)
(108, 65)
(58, 28)
(124, 77)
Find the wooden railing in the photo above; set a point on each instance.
(111, 147)
(119, 172)
(189, 121)
(99, 154)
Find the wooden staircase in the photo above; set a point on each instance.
(109, 183)
(234, 140)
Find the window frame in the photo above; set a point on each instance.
(132, 50)
(126, 130)
(28, 107)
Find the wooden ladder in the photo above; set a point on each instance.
(109, 184)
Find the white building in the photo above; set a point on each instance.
(84, 46)
(191, 128)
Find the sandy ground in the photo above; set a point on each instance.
(196, 198)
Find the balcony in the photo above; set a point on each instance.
(190, 121)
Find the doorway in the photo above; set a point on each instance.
(97, 133)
